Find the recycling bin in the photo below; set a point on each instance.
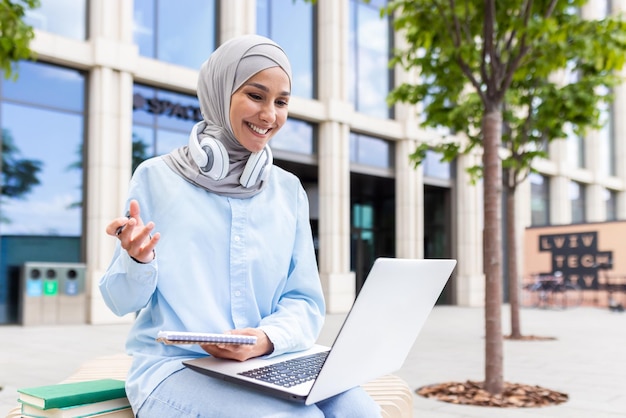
(52, 293)
(39, 294)
(72, 300)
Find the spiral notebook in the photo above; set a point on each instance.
(186, 337)
(375, 339)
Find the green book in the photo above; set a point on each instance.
(79, 411)
(68, 394)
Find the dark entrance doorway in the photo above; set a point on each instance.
(438, 231)
(372, 218)
(307, 173)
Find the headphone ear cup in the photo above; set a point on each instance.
(257, 168)
(217, 159)
(209, 155)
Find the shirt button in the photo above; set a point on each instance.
(237, 238)
(237, 293)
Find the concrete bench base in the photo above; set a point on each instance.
(390, 392)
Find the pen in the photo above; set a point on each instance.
(121, 228)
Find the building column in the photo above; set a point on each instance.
(409, 179)
(338, 281)
(619, 133)
(595, 209)
(560, 204)
(595, 203)
(619, 126)
(109, 140)
(470, 278)
(236, 18)
(409, 203)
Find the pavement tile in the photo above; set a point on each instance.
(586, 360)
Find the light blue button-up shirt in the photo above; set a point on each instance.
(221, 263)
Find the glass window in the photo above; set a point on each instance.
(363, 216)
(368, 150)
(369, 78)
(578, 198)
(162, 121)
(295, 136)
(610, 199)
(434, 167)
(539, 199)
(144, 138)
(290, 24)
(144, 27)
(181, 32)
(42, 163)
(47, 86)
(62, 17)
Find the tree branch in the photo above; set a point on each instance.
(490, 69)
(456, 41)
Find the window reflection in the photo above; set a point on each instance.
(162, 121)
(144, 27)
(434, 167)
(367, 150)
(144, 139)
(295, 136)
(47, 85)
(539, 199)
(370, 43)
(63, 17)
(53, 144)
(181, 32)
(610, 199)
(577, 196)
(290, 24)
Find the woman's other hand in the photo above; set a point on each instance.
(134, 236)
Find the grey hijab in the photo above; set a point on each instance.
(231, 65)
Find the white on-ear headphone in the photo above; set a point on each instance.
(209, 154)
(257, 168)
(212, 158)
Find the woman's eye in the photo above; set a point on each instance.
(255, 96)
(282, 103)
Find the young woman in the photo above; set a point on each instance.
(235, 251)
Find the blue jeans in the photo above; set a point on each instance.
(190, 394)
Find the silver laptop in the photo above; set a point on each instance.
(375, 338)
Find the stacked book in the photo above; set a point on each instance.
(92, 398)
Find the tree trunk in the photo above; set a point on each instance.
(516, 332)
(492, 248)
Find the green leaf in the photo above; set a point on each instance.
(15, 35)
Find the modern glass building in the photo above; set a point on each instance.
(114, 83)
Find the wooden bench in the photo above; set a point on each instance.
(390, 392)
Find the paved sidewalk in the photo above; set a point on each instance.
(587, 360)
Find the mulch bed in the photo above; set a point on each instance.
(514, 395)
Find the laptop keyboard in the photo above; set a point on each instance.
(289, 373)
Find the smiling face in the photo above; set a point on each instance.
(258, 109)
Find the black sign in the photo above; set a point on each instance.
(165, 107)
(576, 255)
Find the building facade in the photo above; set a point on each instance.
(114, 83)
